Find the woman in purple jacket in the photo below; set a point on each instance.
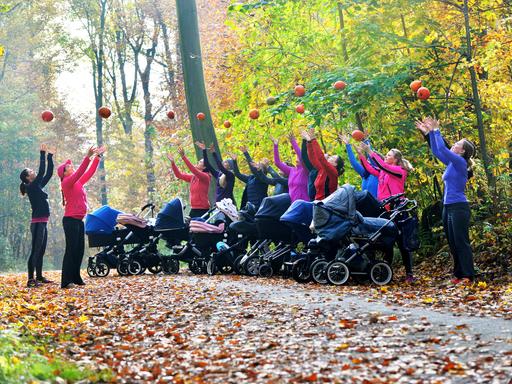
(456, 212)
(297, 176)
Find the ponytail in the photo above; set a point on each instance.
(63, 198)
(469, 152)
(401, 161)
(24, 181)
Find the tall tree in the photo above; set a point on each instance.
(195, 90)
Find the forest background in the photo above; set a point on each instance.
(72, 56)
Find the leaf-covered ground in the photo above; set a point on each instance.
(230, 329)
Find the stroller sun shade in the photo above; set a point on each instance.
(274, 207)
(334, 216)
(299, 213)
(171, 216)
(102, 220)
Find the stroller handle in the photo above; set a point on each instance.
(390, 199)
(149, 206)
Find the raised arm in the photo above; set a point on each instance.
(75, 176)
(354, 162)
(304, 156)
(394, 170)
(218, 162)
(237, 173)
(318, 159)
(368, 167)
(198, 173)
(42, 167)
(90, 171)
(182, 176)
(440, 150)
(277, 160)
(49, 170)
(208, 165)
(296, 148)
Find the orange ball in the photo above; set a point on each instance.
(300, 108)
(201, 116)
(300, 91)
(254, 114)
(227, 124)
(423, 93)
(340, 85)
(415, 85)
(171, 115)
(104, 112)
(47, 116)
(358, 135)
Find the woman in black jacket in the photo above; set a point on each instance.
(32, 185)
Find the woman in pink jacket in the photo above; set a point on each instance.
(392, 173)
(297, 176)
(75, 208)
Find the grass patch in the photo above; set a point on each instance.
(21, 361)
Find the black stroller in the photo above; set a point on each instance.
(102, 231)
(362, 240)
(192, 243)
(274, 237)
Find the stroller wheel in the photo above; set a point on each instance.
(265, 270)
(381, 273)
(300, 271)
(91, 269)
(170, 266)
(101, 269)
(195, 266)
(252, 265)
(226, 269)
(338, 273)
(122, 268)
(135, 268)
(237, 266)
(318, 271)
(155, 269)
(211, 267)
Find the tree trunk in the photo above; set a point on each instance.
(195, 91)
(476, 99)
(100, 60)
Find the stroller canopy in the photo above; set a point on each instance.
(171, 216)
(273, 207)
(300, 213)
(334, 216)
(102, 220)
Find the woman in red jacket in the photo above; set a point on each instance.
(329, 167)
(199, 183)
(75, 208)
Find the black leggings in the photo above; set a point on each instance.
(39, 238)
(406, 256)
(75, 243)
(456, 219)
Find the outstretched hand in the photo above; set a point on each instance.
(344, 138)
(256, 165)
(359, 150)
(52, 150)
(311, 133)
(232, 156)
(291, 136)
(364, 147)
(43, 148)
(200, 145)
(100, 150)
(212, 148)
(431, 123)
(243, 148)
(91, 151)
(181, 151)
(420, 125)
(274, 140)
(305, 135)
(170, 157)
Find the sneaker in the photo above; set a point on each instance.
(463, 281)
(67, 286)
(44, 280)
(81, 282)
(410, 279)
(31, 283)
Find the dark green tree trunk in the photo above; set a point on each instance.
(195, 91)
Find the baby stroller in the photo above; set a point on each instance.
(262, 260)
(361, 239)
(298, 217)
(192, 243)
(102, 231)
